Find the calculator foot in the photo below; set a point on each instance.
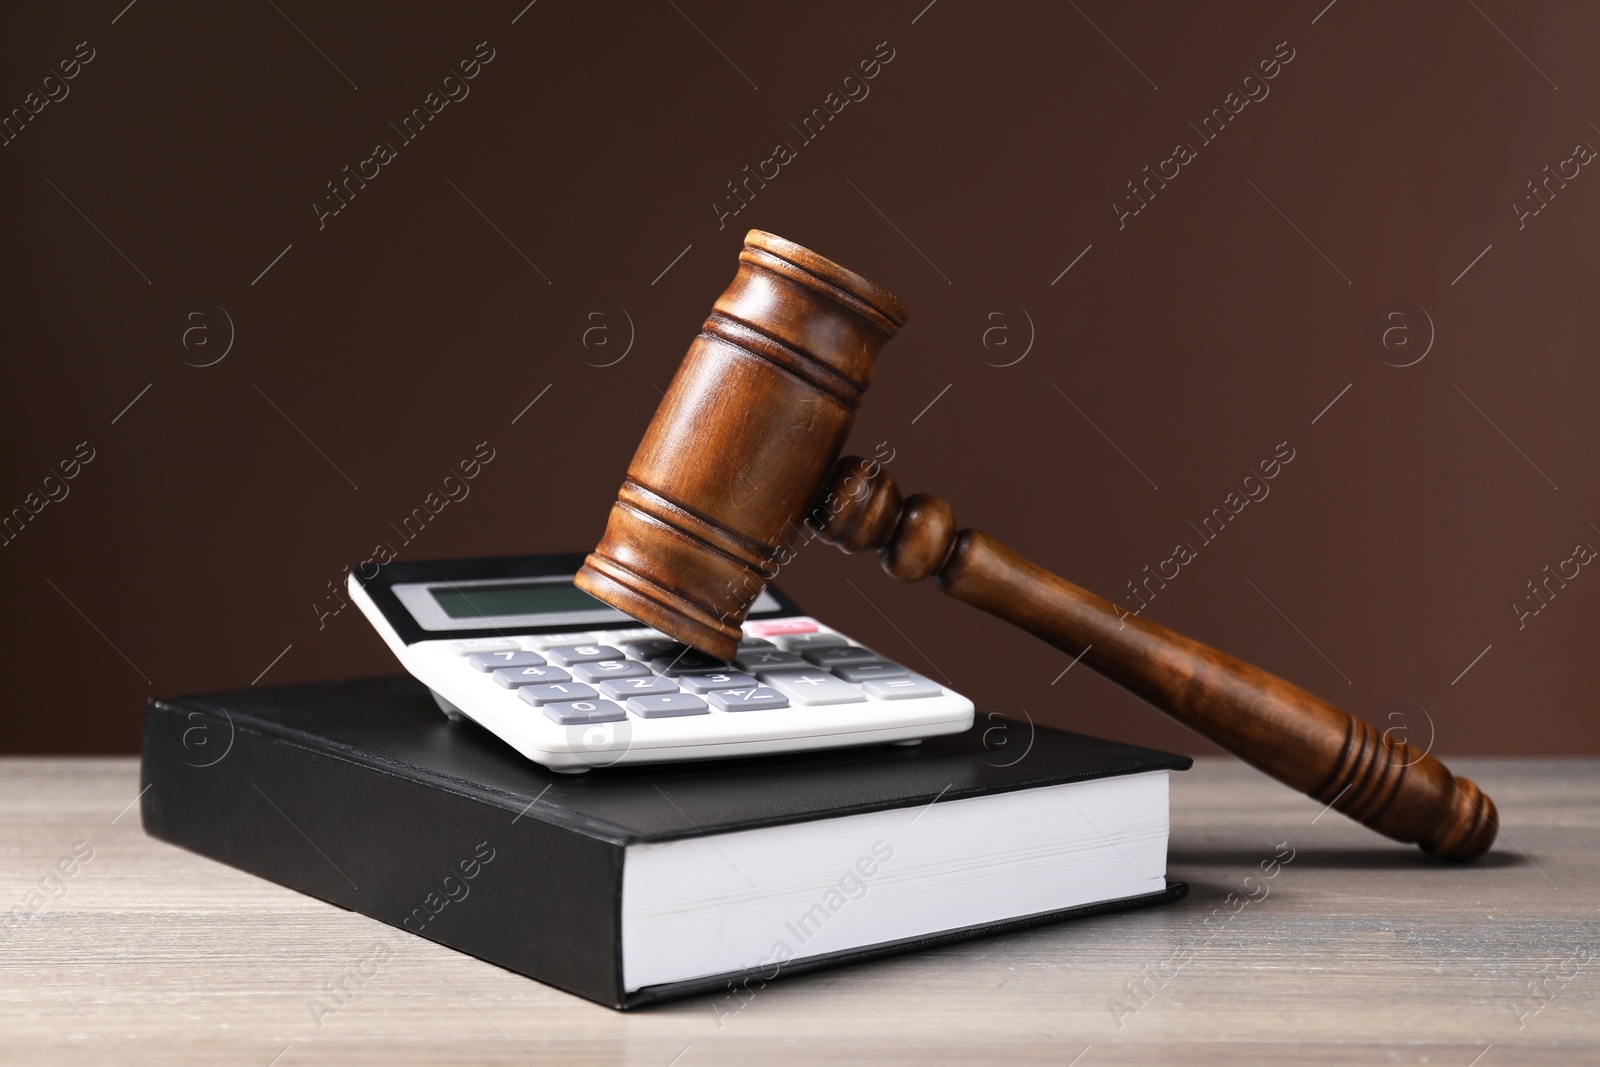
(451, 712)
(908, 742)
(570, 770)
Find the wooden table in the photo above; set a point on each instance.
(1361, 952)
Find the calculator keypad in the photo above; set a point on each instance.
(580, 678)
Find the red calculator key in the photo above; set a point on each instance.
(782, 626)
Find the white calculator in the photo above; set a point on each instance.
(573, 684)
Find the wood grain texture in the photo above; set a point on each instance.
(1299, 738)
(1357, 951)
(744, 449)
(741, 444)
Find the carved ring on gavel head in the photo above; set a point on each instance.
(744, 450)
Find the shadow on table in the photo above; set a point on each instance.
(1377, 858)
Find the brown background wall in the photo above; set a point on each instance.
(1177, 352)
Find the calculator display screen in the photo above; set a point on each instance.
(521, 598)
(438, 603)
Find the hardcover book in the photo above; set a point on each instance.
(630, 885)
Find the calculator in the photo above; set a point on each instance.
(574, 684)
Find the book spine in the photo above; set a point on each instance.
(527, 894)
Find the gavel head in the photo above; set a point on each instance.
(742, 444)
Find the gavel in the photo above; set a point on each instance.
(744, 449)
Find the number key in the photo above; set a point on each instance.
(705, 683)
(567, 654)
(488, 661)
(622, 688)
(576, 712)
(555, 693)
(610, 668)
(651, 647)
(515, 677)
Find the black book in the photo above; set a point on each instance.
(630, 885)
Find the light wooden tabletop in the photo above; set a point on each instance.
(1356, 951)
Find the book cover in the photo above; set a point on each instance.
(363, 794)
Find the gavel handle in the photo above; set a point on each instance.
(1296, 737)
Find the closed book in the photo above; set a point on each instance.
(630, 885)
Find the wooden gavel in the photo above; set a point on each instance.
(745, 447)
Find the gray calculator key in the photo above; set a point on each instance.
(911, 687)
(513, 677)
(690, 662)
(651, 647)
(766, 659)
(802, 642)
(622, 688)
(566, 654)
(838, 657)
(813, 687)
(665, 707)
(755, 642)
(750, 698)
(610, 668)
(486, 644)
(556, 693)
(577, 712)
(542, 642)
(866, 672)
(705, 683)
(488, 661)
